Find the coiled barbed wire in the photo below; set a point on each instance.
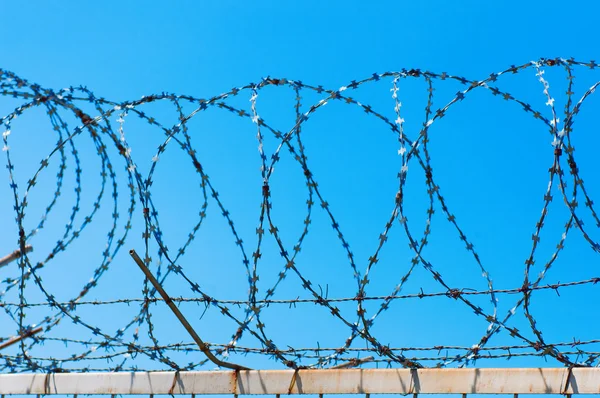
(75, 112)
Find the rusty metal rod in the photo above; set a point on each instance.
(353, 363)
(201, 344)
(20, 337)
(14, 255)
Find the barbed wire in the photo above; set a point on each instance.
(453, 294)
(77, 112)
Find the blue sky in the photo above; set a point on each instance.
(489, 157)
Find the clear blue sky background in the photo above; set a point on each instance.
(490, 158)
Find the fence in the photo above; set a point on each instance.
(76, 113)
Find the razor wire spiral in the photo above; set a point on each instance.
(105, 124)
